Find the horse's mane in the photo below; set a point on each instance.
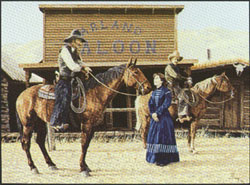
(105, 77)
(204, 85)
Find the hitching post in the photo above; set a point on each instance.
(51, 138)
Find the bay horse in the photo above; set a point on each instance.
(203, 89)
(34, 113)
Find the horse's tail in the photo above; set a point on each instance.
(138, 121)
(19, 125)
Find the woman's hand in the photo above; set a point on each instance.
(154, 116)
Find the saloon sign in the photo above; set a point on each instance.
(117, 46)
(113, 33)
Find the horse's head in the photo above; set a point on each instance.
(223, 84)
(134, 77)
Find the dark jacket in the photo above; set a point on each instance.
(174, 74)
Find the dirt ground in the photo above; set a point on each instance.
(219, 160)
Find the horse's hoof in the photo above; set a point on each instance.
(194, 151)
(34, 171)
(85, 173)
(88, 169)
(53, 168)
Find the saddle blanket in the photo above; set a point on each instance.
(47, 92)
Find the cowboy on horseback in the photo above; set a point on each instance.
(176, 79)
(70, 63)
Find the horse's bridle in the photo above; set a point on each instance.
(223, 78)
(216, 87)
(139, 83)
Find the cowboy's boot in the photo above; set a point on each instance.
(61, 128)
(188, 118)
(180, 119)
(184, 118)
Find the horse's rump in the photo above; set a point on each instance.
(29, 105)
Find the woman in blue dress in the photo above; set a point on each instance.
(161, 142)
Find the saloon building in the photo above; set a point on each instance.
(113, 33)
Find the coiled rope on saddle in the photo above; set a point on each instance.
(80, 92)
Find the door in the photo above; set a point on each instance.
(232, 108)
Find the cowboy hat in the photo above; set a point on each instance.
(175, 54)
(75, 34)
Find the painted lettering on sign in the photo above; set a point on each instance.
(115, 45)
(118, 46)
(125, 27)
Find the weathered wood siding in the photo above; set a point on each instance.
(4, 104)
(246, 105)
(111, 34)
(10, 90)
(213, 114)
(15, 89)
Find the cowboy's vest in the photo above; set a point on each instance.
(174, 74)
(63, 69)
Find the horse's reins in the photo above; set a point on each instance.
(126, 94)
(220, 102)
(213, 92)
(81, 109)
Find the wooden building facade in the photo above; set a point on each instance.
(8, 97)
(113, 33)
(233, 114)
(13, 81)
(10, 90)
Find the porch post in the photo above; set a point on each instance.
(27, 78)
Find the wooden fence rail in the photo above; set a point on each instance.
(182, 133)
(120, 110)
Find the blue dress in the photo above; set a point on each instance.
(161, 142)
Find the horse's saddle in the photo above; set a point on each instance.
(189, 96)
(47, 92)
(77, 90)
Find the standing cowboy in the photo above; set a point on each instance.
(175, 78)
(70, 63)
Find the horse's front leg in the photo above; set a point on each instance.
(86, 134)
(144, 138)
(193, 128)
(144, 130)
